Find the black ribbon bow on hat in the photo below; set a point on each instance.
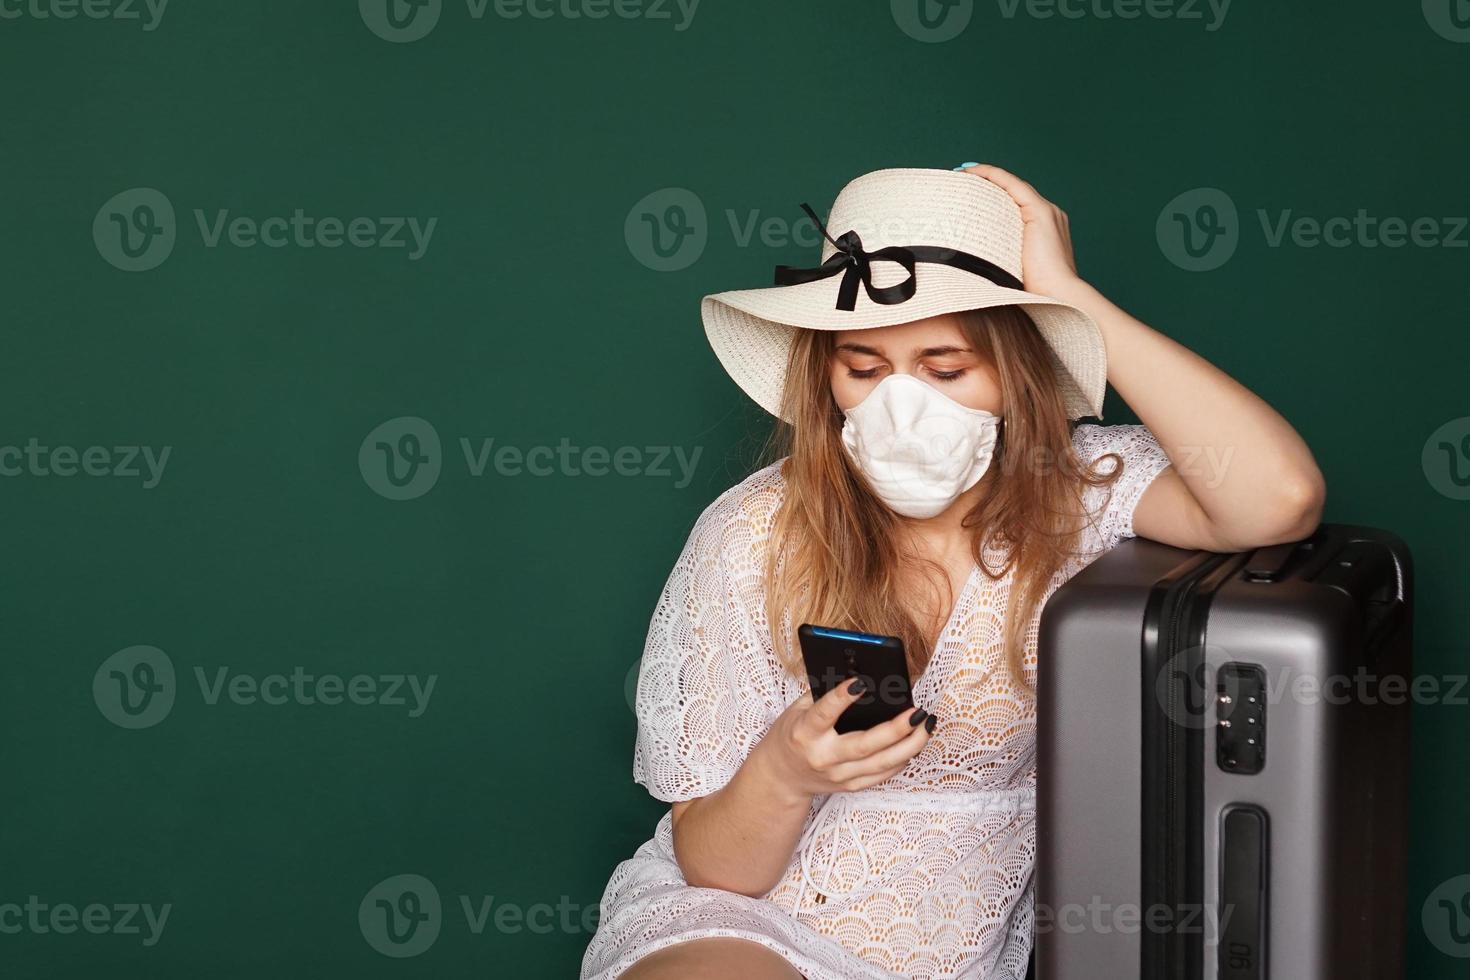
(856, 265)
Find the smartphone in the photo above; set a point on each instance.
(836, 656)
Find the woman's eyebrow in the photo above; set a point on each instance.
(940, 351)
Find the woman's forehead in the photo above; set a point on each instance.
(932, 332)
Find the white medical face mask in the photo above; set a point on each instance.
(918, 448)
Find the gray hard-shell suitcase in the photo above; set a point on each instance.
(1222, 763)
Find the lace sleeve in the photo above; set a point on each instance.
(1142, 460)
(708, 687)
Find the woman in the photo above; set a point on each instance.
(933, 487)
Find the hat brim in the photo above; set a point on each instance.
(751, 329)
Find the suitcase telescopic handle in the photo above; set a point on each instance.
(1364, 556)
(1363, 568)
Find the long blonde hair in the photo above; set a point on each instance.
(838, 556)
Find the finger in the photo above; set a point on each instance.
(1021, 192)
(830, 706)
(895, 755)
(860, 745)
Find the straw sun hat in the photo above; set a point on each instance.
(902, 245)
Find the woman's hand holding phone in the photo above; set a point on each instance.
(809, 758)
(766, 804)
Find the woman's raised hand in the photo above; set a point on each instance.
(1048, 266)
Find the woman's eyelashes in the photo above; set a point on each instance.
(868, 374)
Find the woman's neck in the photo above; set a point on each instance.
(944, 536)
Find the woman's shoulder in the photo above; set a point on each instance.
(1141, 458)
(728, 539)
(1092, 442)
(1094, 438)
(746, 509)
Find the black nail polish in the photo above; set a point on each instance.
(858, 686)
(919, 715)
(930, 723)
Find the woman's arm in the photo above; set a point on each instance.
(741, 837)
(1241, 476)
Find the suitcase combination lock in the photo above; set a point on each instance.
(1240, 710)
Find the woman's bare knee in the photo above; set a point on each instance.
(713, 958)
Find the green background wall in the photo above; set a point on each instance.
(534, 316)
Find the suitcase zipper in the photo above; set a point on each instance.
(1174, 631)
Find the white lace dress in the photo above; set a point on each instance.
(927, 875)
